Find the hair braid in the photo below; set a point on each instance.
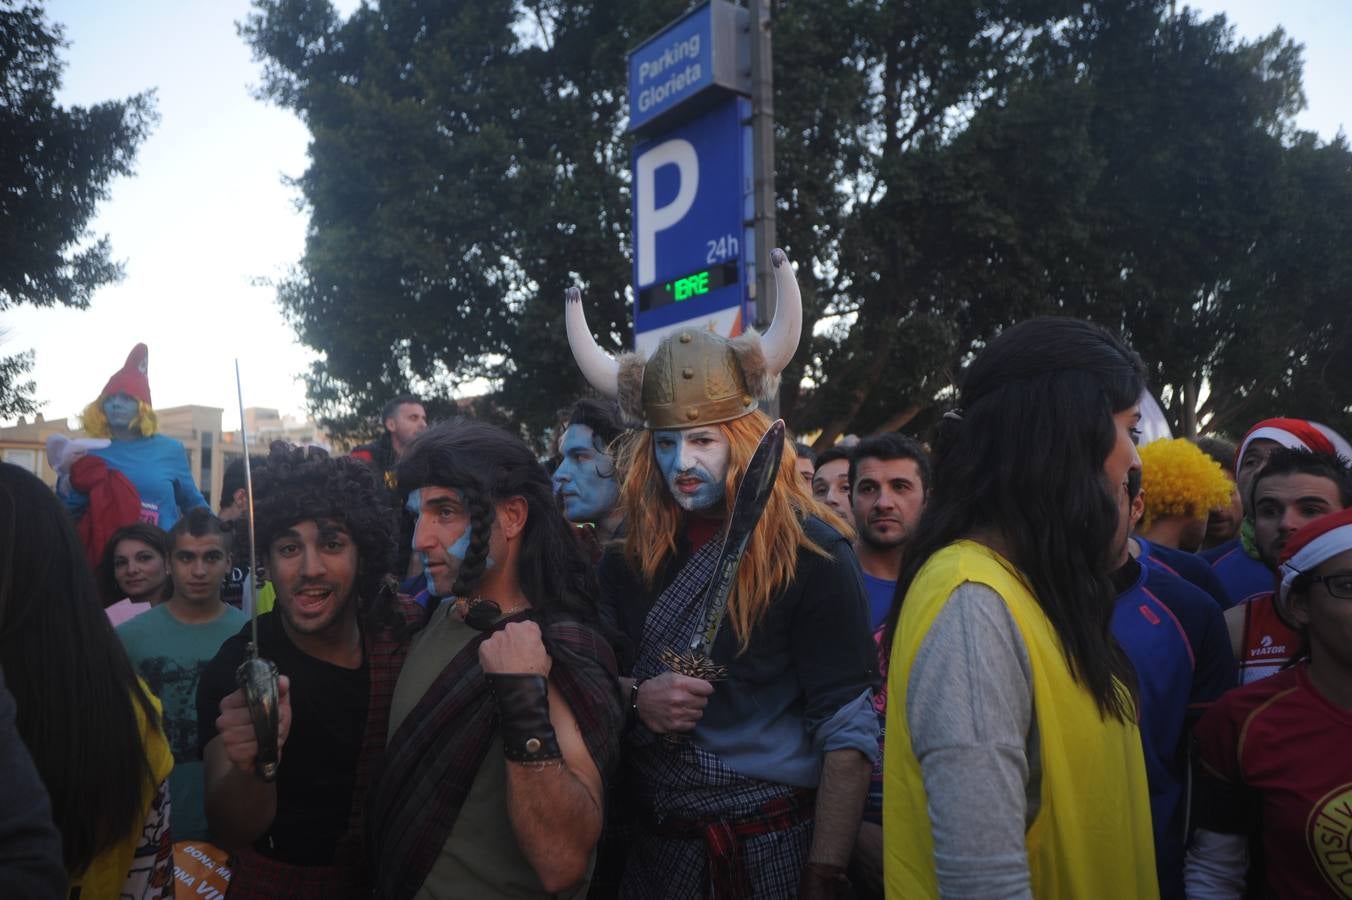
(481, 516)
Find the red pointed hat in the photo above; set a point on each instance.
(1315, 543)
(131, 378)
(1295, 434)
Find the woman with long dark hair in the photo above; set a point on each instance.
(1013, 765)
(133, 574)
(91, 726)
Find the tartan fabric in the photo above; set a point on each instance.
(674, 617)
(676, 784)
(255, 875)
(724, 838)
(435, 755)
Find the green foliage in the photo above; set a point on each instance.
(944, 168)
(16, 397)
(56, 164)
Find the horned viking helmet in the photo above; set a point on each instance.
(694, 377)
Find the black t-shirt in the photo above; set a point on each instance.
(319, 760)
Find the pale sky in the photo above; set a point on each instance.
(207, 213)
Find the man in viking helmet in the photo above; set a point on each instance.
(749, 785)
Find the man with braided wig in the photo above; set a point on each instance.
(1238, 563)
(753, 785)
(325, 533)
(507, 715)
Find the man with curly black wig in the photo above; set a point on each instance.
(325, 530)
(506, 718)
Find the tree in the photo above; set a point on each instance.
(16, 396)
(56, 164)
(944, 169)
(467, 165)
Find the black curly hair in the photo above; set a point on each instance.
(486, 465)
(304, 483)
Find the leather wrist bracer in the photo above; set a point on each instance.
(523, 714)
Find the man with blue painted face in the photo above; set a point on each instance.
(155, 465)
(585, 480)
(505, 723)
(751, 784)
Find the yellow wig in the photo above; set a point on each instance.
(95, 423)
(654, 520)
(1180, 480)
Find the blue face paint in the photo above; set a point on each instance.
(585, 480)
(121, 410)
(694, 464)
(460, 547)
(455, 552)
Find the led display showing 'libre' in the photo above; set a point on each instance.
(687, 287)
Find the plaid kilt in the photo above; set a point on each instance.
(704, 830)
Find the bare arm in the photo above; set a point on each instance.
(840, 806)
(555, 806)
(554, 799)
(240, 805)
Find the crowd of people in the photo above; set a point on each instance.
(1024, 659)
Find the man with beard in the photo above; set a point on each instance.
(1238, 563)
(1294, 488)
(506, 718)
(888, 474)
(747, 761)
(338, 636)
(403, 419)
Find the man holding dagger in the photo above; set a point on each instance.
(750, 746)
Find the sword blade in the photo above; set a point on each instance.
(252, 580)
(758, 482)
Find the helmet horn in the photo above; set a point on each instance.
(600, 369)
(780, 341)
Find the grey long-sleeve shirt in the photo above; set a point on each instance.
(969, 709)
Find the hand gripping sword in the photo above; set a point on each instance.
(257, 677)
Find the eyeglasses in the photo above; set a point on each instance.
(1338, 584)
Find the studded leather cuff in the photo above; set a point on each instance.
(523, 714)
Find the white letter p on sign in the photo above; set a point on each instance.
(650, 219)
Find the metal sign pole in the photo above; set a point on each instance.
(763, 164)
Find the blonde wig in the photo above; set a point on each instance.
(1180, 480)
(653, 520)
(95, 423)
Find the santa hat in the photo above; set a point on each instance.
(131, 378)
(1315, 543)
(1296, 434)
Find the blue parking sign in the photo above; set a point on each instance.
(691, 199)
